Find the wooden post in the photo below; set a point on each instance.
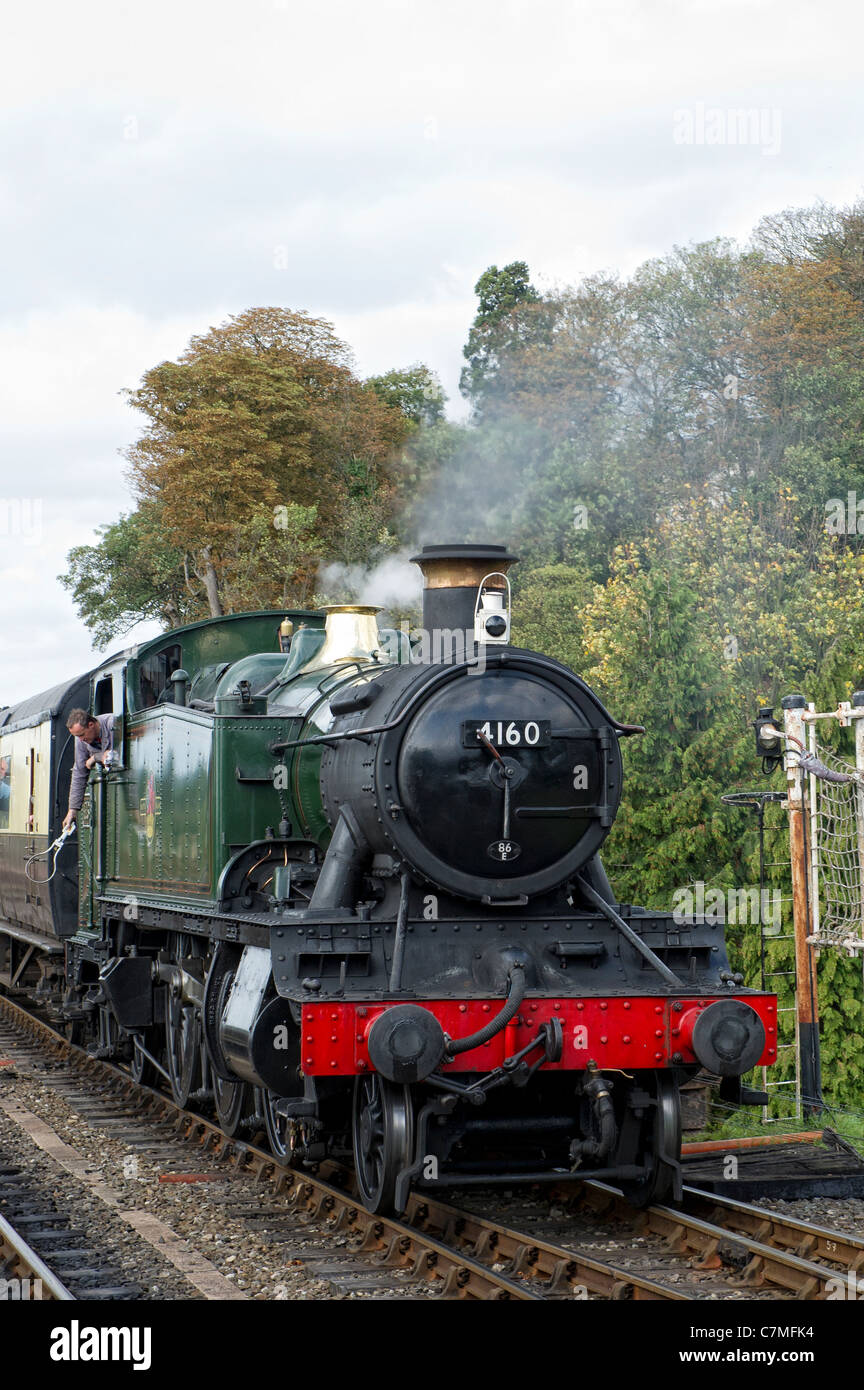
(806, 997)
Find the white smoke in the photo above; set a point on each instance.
(486, 486)
(393, 583)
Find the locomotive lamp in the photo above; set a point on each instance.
(492, 612)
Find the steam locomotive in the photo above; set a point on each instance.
(348, 889)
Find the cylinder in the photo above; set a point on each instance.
(259, 1040)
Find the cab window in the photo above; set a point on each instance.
(154, 676)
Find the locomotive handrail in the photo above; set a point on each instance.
(282, 745)
(399, 936)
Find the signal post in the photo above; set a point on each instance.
(806, 990)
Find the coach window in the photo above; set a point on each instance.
(31, 760)
(5, 788)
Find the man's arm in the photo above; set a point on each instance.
(78, 780)
(84, 760)
(106, 738)
(104, 754)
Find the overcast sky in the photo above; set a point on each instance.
(165, 165)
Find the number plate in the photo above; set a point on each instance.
(504, 850)
(507, 733)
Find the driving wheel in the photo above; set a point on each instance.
(661, 1146)
(231, 1099)
(383, 1139)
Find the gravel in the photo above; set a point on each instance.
(245, 1229)
(836, 1213)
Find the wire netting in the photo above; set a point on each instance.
(839, 834)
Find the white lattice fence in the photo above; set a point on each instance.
(836, 820)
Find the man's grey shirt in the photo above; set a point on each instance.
(83, 751)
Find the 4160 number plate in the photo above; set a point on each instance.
(507, 733)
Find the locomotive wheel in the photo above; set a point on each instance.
(383, 1139)
(182, 1048)
(231, 1099)
(142, 1069)
(662, 1137)
(276, 1127)
(73, 1031)
(109, 1041)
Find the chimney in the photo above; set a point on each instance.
(452, 575)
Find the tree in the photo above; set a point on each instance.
(500, 326)
(228, 438)
(133, 573)
(797, 234)
(549, 610)
(415, 391)
(699, 624)
(272, 563)
(262, 449)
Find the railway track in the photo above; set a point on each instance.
(766, 1254)
(713, 1248)
(24, 1275)
(47, 1252)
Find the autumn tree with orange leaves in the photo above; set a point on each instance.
(262, 450)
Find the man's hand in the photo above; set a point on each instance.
(69, 819)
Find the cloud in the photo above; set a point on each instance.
(41, 640)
